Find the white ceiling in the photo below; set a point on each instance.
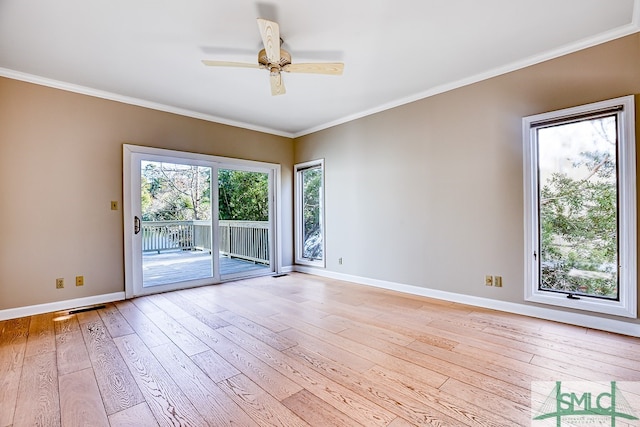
(148, 52)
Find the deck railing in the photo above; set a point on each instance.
(245, 239)
(238, 239)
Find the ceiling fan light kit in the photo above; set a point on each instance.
(275, 59)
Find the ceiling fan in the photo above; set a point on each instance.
(275, 59)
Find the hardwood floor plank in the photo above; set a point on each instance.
(13, 343)
(335, 394)
(463, 411)
(400, 422)
(136, 416)
(238, 360)
(142, 325)
(518, 414)
(520, 375)
(347, 354)
(167, 402)
(351, 349)
(315, 411)
(207, 317)
(167, 306)
(38, 401)
(145, 305)
(334, 324)
(596, 372)
(114, 321)
(260, 332)
(80, 400)
(213, 404)
(339, 308)
(425, 412)
(268, 322)
(202, 297)
(119, 390)
(64, 323)
(71, 353)
(472, 413)
(446, 368)
(42, 338)
(87, 316)
(71, 350)
(278, 385)
(215, 366)
(257, 313)
(583, 348)
(177, 333)
(259, 404)
(454, 336)
(387, 334)
(238, 294)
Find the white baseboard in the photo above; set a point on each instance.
(572, 318)
(13, 313)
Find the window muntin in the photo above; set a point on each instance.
(310, 213)
(580, 207)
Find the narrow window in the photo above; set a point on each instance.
(580, 207)
(309, 189)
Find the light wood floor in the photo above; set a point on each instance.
(292, 351)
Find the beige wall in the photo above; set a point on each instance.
(61, 165)
(431, 193)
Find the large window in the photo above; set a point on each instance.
(310, 213)
(580, 207)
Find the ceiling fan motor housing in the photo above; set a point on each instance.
(274, 68)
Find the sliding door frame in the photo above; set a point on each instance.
(133, 279)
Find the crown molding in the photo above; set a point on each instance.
(84, 90)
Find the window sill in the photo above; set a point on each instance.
(585, 303)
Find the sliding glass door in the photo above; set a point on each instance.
(175, 225)
(193, 220)
(244, 222)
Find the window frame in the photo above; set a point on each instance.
(299, 232)
(626, 305)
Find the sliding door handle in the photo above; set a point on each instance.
(136, 225)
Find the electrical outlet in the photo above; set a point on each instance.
(488, 280)
(340, 261)
(59, 283)
(497, 281)
(79, 280)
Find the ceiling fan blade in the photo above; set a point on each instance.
(277, 85)
(270, 33)
(334, 68)
(229, 64)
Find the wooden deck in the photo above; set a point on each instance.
(295, 351)
(181, 266)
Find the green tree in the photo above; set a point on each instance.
(311, 210)
(578, 221)
(244, 196)
(175, 192)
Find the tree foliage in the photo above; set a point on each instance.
(244, 196)
(578, 221)
(172, 192)
(311, 211)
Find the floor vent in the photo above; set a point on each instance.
(83, 309)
